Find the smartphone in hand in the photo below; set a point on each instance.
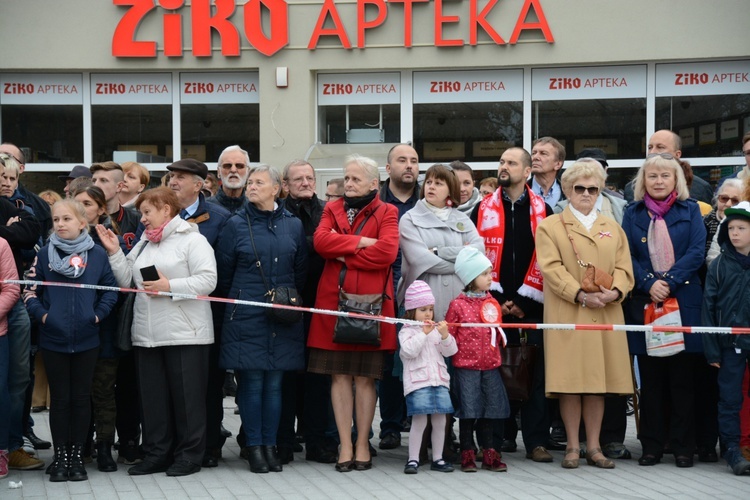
(149, 273)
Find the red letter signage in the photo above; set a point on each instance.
(408, 11)
(521, 24)
(440, 19)
(279, 19)
(479, 18)
(329, 7)
(204, 22)
(362, 22)
(123, 39)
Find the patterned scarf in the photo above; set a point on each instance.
(76, 254)
(491, 227)
(660, 248)
(353, 205)
(154, 235)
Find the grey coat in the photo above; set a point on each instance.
(420, 231)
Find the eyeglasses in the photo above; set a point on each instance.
(228, 166)
(724, 198)
(666, 156)
(592, 190)
(8, 156)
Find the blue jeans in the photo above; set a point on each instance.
(19, 345)
(732, 370)
(4, 397)
(259, 399)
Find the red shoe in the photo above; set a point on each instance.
(467, 461)
(491, 461)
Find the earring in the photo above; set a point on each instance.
(449, 202)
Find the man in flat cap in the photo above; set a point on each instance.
(186, 181)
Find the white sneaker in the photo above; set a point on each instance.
(27, 447)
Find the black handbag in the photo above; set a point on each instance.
(517, 369)
(362, 331)
(124, 333)
(281, 295)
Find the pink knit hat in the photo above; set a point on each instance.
(418, 295)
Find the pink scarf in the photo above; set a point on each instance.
(660, 248)
(154, 235)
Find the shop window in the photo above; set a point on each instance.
(709, 125)
(469, 131)
(367, 123)
(135, 127)
(47, 134)
(618, 126)
(209, 128)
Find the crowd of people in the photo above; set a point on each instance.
(147, 372)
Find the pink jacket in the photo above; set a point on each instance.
(475, 350)
(9, 294)
(423, 358)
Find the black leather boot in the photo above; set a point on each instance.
(257, 460)
(272, 458)
(104, 460)
(77, 471)
(58, 469)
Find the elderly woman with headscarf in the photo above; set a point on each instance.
(582, 367)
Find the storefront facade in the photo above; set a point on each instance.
(90, 81)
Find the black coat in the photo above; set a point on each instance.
(517, 252)
(20, 235)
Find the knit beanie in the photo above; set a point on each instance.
(418, 295)
(470, 263)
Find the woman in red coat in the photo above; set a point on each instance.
(368, 257)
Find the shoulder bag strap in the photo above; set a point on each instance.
(570, 237)
(140, 251)
(257, 257)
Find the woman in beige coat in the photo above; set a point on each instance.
(584, 366)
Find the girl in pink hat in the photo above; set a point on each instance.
(426, 379)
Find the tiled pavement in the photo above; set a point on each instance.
(300, 479)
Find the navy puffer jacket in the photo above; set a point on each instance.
(250, 339)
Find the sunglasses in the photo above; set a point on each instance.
(592, 190)
(228, 166)
(666, 156)
(724, 198)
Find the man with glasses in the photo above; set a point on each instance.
(335, 189)
(233, 172)
(311, 389)
(666, 141)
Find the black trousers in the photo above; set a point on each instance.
(615, 420)
(128, 419)
(706, 402)
(214, 399)
(535, 418)
(667, 404)
(173, 384)
(70, 377)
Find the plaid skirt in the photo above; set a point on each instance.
(355, 363)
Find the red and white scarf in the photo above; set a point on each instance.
(491, 219)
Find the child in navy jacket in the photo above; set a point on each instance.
(69, 329)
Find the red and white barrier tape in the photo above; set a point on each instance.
(386, 319)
